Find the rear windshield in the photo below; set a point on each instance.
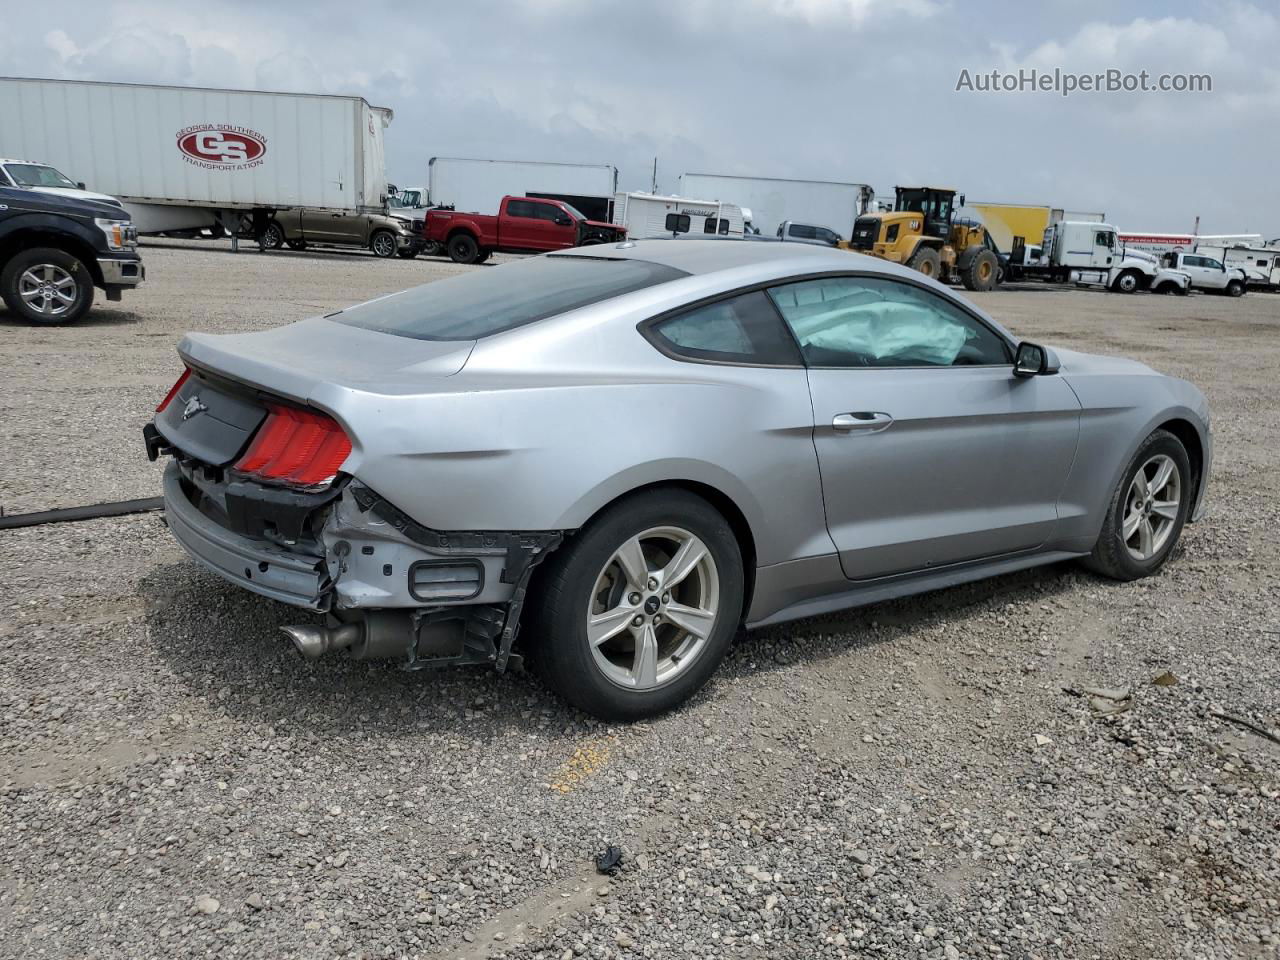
(490, 300)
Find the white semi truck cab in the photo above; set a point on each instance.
(1085, 252)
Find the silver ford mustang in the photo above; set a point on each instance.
(633, 450)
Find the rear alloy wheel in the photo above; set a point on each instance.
(46, 285)
(926, 260)
(637, 610)
(463, 248)
(383, 244)
(1147, 511)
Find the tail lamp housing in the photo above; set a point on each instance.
(294, 447)
(173, 391)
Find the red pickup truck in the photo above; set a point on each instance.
(523, 225)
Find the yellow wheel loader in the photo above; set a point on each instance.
(922, 232)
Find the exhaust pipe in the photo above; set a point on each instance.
(314, 642)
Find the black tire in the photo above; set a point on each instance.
(1110, 556)
(1168, 287)
(463, 248)
(979, 269)
(273, 236)
(383, 244)
(1128, 282)
(408, 253)
(296, 244)
(53, 266)
(926, 260)
(560, 652)
(484, 256)
(1235, 289)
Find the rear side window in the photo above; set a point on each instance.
(521, 208)
(744, 329)
(483, 302)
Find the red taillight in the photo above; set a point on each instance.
(298, 447)
(173, 391)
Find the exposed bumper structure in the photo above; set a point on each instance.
(121, 272)
(258, 565)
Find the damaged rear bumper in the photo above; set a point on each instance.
(432, 597)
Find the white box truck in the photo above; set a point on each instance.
(645, 215)
(478, 186)
(823, 203)
(182, 158)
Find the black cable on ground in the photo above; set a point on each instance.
(95, 511)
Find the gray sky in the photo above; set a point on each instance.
(857, 90)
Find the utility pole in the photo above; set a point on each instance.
(654, 187)
(1195, 232)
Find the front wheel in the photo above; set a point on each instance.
(636, 611)
(1127, 282)
(926, 260)
(1235, 289)
(273, 236)
(1146, 512)
(383, 244)
(47, 285)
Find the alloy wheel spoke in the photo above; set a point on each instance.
(66, 298)
(630, 557)
(644, 668)
(694, 620)
(687, 557)
(1146, 538)
(1161, 480)
(1165, 508)
(64, 283)
(604, 626)
(1131, 522)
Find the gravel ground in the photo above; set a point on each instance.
(906, 780)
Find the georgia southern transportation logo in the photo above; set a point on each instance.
(222, 146)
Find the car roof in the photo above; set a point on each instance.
(712, 255)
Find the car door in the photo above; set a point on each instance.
(931, 451)
(520, 225)
(321, 226)
(1214, 274)
(556, 230)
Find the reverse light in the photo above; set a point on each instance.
(295, 447)
(173, 391)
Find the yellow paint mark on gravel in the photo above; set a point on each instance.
(587, 760)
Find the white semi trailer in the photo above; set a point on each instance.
(183, 158)
(478, 186)
(823, 203)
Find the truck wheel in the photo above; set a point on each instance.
(979, 269)
(1127, 282)
(47, 285)
(484, 256)
(463, 248)
(383, 244)
(927, 261)
(273, 236)
(1235, 288)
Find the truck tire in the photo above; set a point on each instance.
(273, 236)
(383, 244)
(484, 256)
(47, 285)
(1128, 282)
(1235, 288)
(926, 260)
(979, 269)
(463, 248)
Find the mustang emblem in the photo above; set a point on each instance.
(193, 407)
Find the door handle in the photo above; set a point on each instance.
(863, 422)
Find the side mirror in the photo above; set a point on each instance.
(563, 221)
(1032, 360)
(80, 185)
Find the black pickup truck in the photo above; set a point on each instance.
(54, 250)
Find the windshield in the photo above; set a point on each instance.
(574, 211)
(37, 175)
(484, 302)
(406, 198)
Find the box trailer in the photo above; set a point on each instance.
(645, 215)
(824, 203)
(478, 186)
(182, 158)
